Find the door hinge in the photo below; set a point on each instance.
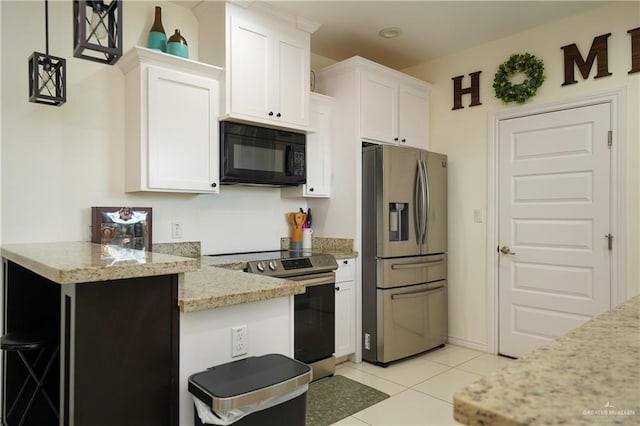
(610, 138)
(609, 238)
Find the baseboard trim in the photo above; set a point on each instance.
(467, 343)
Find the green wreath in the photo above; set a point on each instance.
(531, 66)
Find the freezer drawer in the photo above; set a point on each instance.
(411, 320)
(410, 270)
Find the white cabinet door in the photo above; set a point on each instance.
(379, 108)
(268, 73)
(291, 91)
(413, 116)
(345, 328)
(251, 68)
(318, 152)
(182, 143)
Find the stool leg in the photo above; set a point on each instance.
(39, 386)
(24, 385)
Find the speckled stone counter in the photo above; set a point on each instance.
(589, 376)
(81, 262)
(340, 248)
(215, 287)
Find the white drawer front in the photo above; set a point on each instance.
(346, 270)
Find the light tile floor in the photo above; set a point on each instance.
(421, 389)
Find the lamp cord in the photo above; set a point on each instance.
(46, 24)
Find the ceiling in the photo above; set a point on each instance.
(430, 29)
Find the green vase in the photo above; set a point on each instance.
(157, 37)
(177, 45)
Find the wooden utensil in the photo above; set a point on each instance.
(299, 219)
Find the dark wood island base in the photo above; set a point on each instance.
(119, 345)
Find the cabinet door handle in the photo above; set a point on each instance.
(346, 262)
(213, 185)
(270, 113)
(395, 139)
(404, 140)
(310, 189)
(337, 288)
(278, 115)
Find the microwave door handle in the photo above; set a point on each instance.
(288, 164)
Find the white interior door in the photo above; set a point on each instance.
(554, 268)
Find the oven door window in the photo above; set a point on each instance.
(314, 323)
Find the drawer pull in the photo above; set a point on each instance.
(416, 265)
(415, 294)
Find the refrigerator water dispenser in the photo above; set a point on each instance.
(398, 221)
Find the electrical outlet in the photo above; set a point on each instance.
(176, 230)
(477, 215)
(239, 340)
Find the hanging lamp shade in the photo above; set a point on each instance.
(47, 73)
(47, 79)
(97, 30)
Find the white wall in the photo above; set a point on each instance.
(462, 134)
(57, 162)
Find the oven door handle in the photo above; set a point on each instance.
(329, 278)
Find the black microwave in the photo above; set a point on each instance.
(255, 155)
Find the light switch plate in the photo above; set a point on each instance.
(477, 215)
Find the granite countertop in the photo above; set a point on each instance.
(589, 376)
(80, 262)
(226, 285)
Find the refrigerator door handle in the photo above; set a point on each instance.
(426, 264)
(425, 205)
(415, 294)
(416, 205)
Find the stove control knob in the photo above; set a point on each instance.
(260, 266)
(272, 265)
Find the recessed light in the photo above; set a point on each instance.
(390, 32)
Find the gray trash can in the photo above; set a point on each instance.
(269, 390)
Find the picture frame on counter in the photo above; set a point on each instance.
(126, 227)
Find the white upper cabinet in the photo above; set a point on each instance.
(318, 152)
(266, 61)
(379, 108)
(413, 115)
(390, 107)
(171, 126)
(394, 108)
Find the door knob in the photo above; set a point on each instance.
(506, 250)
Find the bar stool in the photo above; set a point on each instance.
(21, 342)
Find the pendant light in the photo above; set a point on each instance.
(47, 74)
(97, 30)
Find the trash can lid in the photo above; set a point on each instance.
(249, 380)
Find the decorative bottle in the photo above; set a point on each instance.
(157, 37)
(177, 45)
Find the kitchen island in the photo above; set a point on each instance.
(114, 315)
(589, 376)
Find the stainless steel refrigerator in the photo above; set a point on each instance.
(404, 252)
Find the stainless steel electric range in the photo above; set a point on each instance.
(314, 311)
